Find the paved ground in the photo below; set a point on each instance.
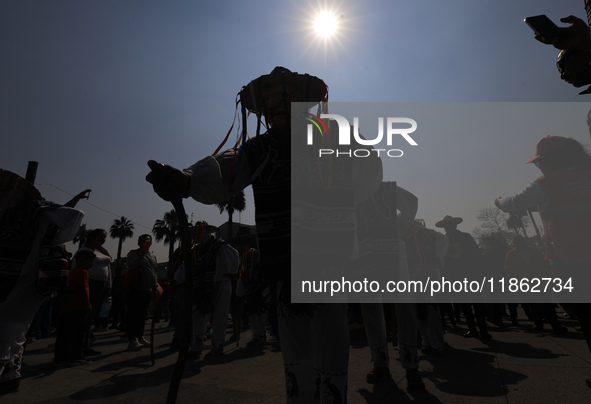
(517, 366)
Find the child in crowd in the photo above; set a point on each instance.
(75, 307)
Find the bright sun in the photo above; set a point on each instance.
(325, 25)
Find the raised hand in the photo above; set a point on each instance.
(168, 182)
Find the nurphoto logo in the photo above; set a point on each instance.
(392, 128)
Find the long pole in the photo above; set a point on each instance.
(155, 319)
(187, 323)
(540, 242)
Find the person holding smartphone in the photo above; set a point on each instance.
(574, 42)
(138, 295)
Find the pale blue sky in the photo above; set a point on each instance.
(92, 90)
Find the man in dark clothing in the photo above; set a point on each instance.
(461, 261)
(314, 338)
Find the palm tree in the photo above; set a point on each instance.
(167, 229)
(121, 229)
(80, 237)
(237, 203)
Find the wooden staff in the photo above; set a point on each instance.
(155, 319)
(188, 327)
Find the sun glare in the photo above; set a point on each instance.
(326, 28)
(325, 25)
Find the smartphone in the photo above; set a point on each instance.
(544, 27)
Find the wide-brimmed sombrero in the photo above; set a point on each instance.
(311, 88)
(449, 220)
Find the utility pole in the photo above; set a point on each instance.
(539, 237)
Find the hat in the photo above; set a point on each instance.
(201, 225)
(312, 89)
(547, 146)
(449, 220)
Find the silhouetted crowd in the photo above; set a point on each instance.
(82, 296)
